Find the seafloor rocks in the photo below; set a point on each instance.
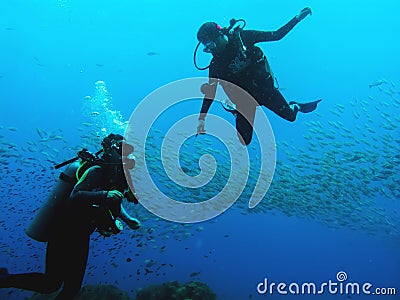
(173, 290)
(92, 292)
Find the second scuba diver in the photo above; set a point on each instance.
(66, 224)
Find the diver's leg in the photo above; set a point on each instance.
(46, 283)
(75, 269)
(277, 103)
(244, 123)
(267, 95)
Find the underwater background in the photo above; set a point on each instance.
(72, 71)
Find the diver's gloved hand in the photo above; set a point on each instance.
(131, 197)
(133, 223)
(200, 127)
(304, 13)
(113, 201)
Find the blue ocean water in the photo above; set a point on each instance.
(333, 203)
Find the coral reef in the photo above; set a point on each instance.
(92, 292)
(174, 291)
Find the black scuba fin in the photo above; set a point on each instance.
(229, 107)
(306, 107)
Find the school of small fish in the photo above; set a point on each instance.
(345, 175)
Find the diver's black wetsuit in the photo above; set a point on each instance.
(253, 74)
(67, 252)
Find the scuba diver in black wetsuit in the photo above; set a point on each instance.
(236, 60)
(94, 203)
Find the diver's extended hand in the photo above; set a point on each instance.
(133, 223)
(304, 13)
(200, 127)
(131, 197)
(115, 196)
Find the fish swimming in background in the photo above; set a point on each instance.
(151, 53)
(194, 274)
(39, 132)
(377, 83)
(38, 62)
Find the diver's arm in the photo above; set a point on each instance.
(132, 222)
(209, 90)
(205, 107)
(83, 192)
(256, 36)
